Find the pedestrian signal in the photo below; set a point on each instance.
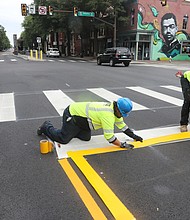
(75, 11)
(50, 9)
(163, 2)
(24, 9)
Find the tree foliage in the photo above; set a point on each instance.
(4, 41)
(40, 25)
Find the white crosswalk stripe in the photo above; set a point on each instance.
(7, 107)
(157, 95)
(175, 88)
(110, 96)
(60, 100)
(12, 60)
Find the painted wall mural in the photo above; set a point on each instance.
(167, 36)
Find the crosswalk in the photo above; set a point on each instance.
(59, 100)
(70, 61)
(182, 67)
(51, 60)
(12, 60)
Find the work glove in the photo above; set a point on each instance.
(137, 138)
(130, 133)
(125, 145)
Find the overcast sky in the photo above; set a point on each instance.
(11, 18)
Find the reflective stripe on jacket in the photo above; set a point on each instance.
(99, 115)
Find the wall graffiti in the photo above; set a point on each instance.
(167, 36)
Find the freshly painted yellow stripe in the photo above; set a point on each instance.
(137, 144)
(162, 139)
(97, 150)
(89, 202)
(116, 207)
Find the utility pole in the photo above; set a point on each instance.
(115, 30)
(114, 25)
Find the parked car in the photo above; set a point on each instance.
(52, 52)
(115, 55)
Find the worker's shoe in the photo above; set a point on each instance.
(41, 128)
(183, 128)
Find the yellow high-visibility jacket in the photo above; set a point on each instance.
(99, 115)
(187, 75)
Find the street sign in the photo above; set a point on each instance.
(86, 14)
(38, 39)
(42, 10)
(32, 9)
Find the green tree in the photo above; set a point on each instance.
(4, 41)
(39, 25)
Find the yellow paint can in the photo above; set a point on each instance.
(50, 146)
(44, 146)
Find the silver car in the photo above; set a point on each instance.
(52, 52)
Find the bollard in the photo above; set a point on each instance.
(36, 54)
(31, 54)
(41, 56)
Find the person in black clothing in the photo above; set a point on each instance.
(185, 85)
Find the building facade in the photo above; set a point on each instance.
(157, 32)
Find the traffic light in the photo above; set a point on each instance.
(163, 2)
(75, 11)
(24, 9)
(50, 9)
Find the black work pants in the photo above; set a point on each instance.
(68, 131)
(185, 112)
(186, 104)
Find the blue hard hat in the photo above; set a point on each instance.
(125, 106)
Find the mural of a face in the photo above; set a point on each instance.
(169, 29)
(167, 38)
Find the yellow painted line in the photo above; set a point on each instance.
(84, 194)
(96, 150)
(162, 139)
(137, 144)
(116, 207)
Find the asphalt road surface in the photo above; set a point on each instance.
(150, 182)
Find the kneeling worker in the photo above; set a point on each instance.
(80, 118)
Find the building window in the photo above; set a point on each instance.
(101, 32)
(185, 20)
(92, 34)
(132, 16)
(185, 47)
